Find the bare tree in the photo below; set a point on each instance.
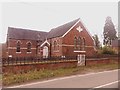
(97, 42)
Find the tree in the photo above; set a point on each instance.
(109, 32)
(97, 42)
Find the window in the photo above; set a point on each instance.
(55, 45)
(28, 47)
(18, 46)
(75, 43)
(79, 41)
(83, 44)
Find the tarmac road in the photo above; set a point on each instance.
(106, 79)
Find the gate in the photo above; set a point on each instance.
(81, 59)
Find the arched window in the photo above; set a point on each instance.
(79, 42)
(18, 46)
(55, 45)
(29, 47)
(75, 43)
(83, 44)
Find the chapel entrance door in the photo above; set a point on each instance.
(45, 52)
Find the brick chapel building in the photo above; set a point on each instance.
(70, 39)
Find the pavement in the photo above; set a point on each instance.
(105, 79)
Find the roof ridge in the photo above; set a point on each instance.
(62, 29)
(18, 33)
(66, 23)
(25, 29)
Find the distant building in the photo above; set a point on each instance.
(66, 40)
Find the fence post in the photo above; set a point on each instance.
(38, 59)
(24, 60)
(20, 60)
(29, 58)
(2, 61)
(16, 60)
(32, 59)
(12, 61)
(8, 60)
(85, 61)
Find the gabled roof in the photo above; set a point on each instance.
(18, 33)
(61, 30)
(45, 43)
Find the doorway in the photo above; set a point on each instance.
(45, 52)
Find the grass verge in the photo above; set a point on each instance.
(44, 74)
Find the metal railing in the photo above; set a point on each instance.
(103, 56)
(34, 60)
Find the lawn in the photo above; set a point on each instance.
(44, 74)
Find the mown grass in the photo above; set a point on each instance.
(43, 74)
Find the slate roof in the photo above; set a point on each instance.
(18, 33)
(61, 30)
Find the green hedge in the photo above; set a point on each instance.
(107, 50)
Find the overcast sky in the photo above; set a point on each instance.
(44, 16)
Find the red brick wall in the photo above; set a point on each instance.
(12, 48)
(66, 44)
(55, 65)
(95, 62)
(28, 67)
(62, 49)
(69, 40)
(57, 52)
(3, 50)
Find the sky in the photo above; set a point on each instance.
(43, 16)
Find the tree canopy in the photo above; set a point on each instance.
(109, 31)
(97, 42)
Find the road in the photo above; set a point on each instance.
(106, 79)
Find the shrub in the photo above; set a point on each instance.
(107, 50)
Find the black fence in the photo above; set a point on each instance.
(31, 60)
(104, 56)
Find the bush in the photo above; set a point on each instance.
(107, 50)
